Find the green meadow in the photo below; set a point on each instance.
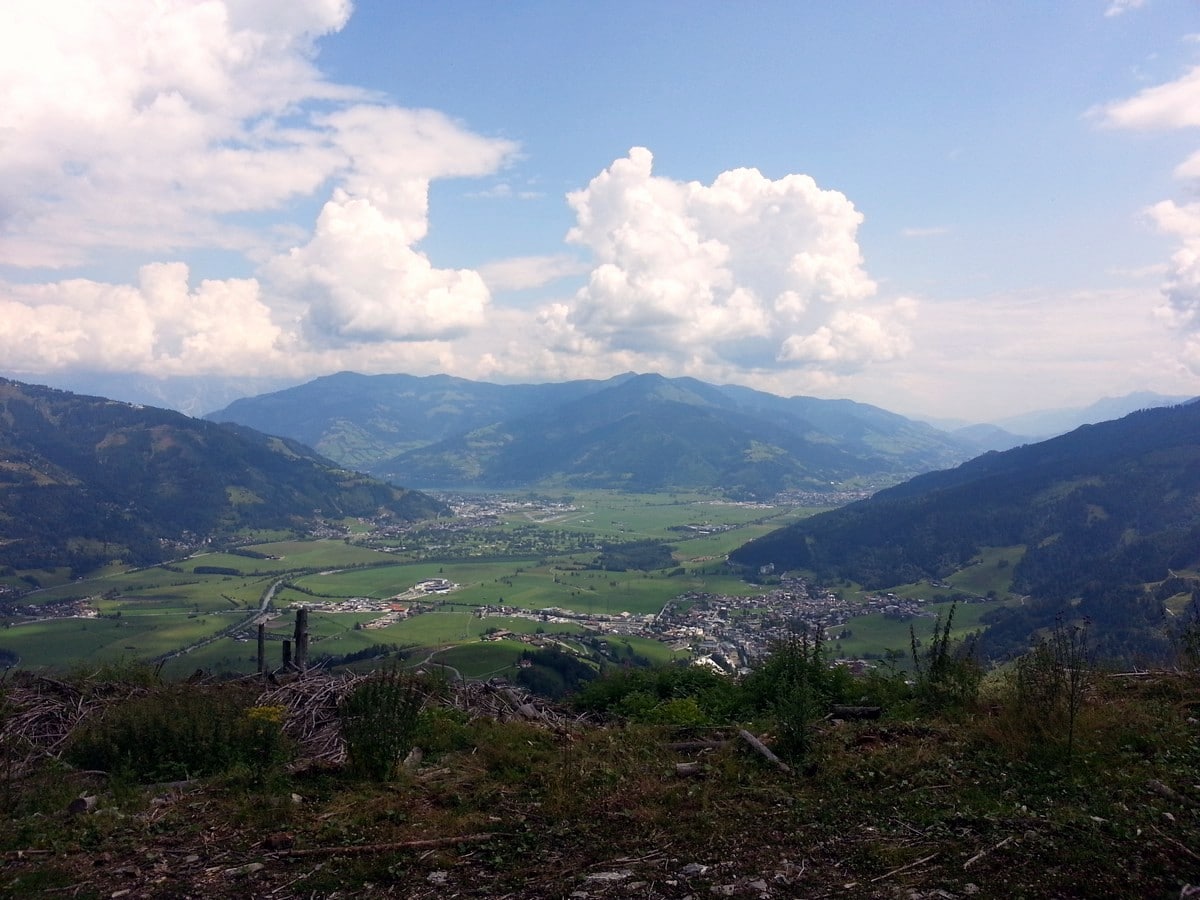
(148, 613)
(876, 633)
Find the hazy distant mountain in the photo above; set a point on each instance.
(1100, 512)
(989, 437)
(84, 480)
(1050, 422)
(361, 420)
(636, 432)
(193, 395)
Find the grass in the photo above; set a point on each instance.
(483, 658)
(656, 652)
(991, 574)
(390, 580)
(875, 633)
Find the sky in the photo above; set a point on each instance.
(956, 209)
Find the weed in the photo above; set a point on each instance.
(379, 721)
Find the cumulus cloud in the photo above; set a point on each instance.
(360, 280)
(746, 268)
(161, 325)
(1173, 105)
(141, 124)
(153, 126)
(135, 124)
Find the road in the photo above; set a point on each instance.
(268, 596)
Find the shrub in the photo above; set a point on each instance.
(947, 674)
(634, 694)
(379, 721)
(795, 685)
(179, 732)
(1049, 683)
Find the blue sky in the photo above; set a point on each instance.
(951, 209)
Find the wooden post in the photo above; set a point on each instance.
(262, 648)
(287, 654)
(301, 637)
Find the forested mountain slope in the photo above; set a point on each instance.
(633, 432)
(85, 480)
(1106, 508)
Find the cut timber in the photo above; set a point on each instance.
(688, 769)
(763, 750)
(525, 710)
(982, 853)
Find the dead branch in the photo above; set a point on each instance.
(763, 750)
(359, 849)
(1170, 794)
(911, 865)
(982, 853)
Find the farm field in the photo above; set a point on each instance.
(152, 613)
(877, 633)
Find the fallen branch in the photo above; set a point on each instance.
(911, 865)
(22, 854)
(982, 853)
(1170, 794)
(763, 750)
(358, 849)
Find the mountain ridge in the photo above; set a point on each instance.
(1100, 512)
(616, 433)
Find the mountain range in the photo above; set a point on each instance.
(1092, 517)
(632, 432)
(87, 480)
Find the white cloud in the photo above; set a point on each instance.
(1120, 7)
(747, 268)
(360, 279)
(505, 191)
(524, 272)
(1189, 169)
(144, 125)
(159, 326)
(1175, 104)
(135, 124)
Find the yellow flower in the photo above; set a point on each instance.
(272, 715)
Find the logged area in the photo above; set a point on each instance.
(672, 784)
